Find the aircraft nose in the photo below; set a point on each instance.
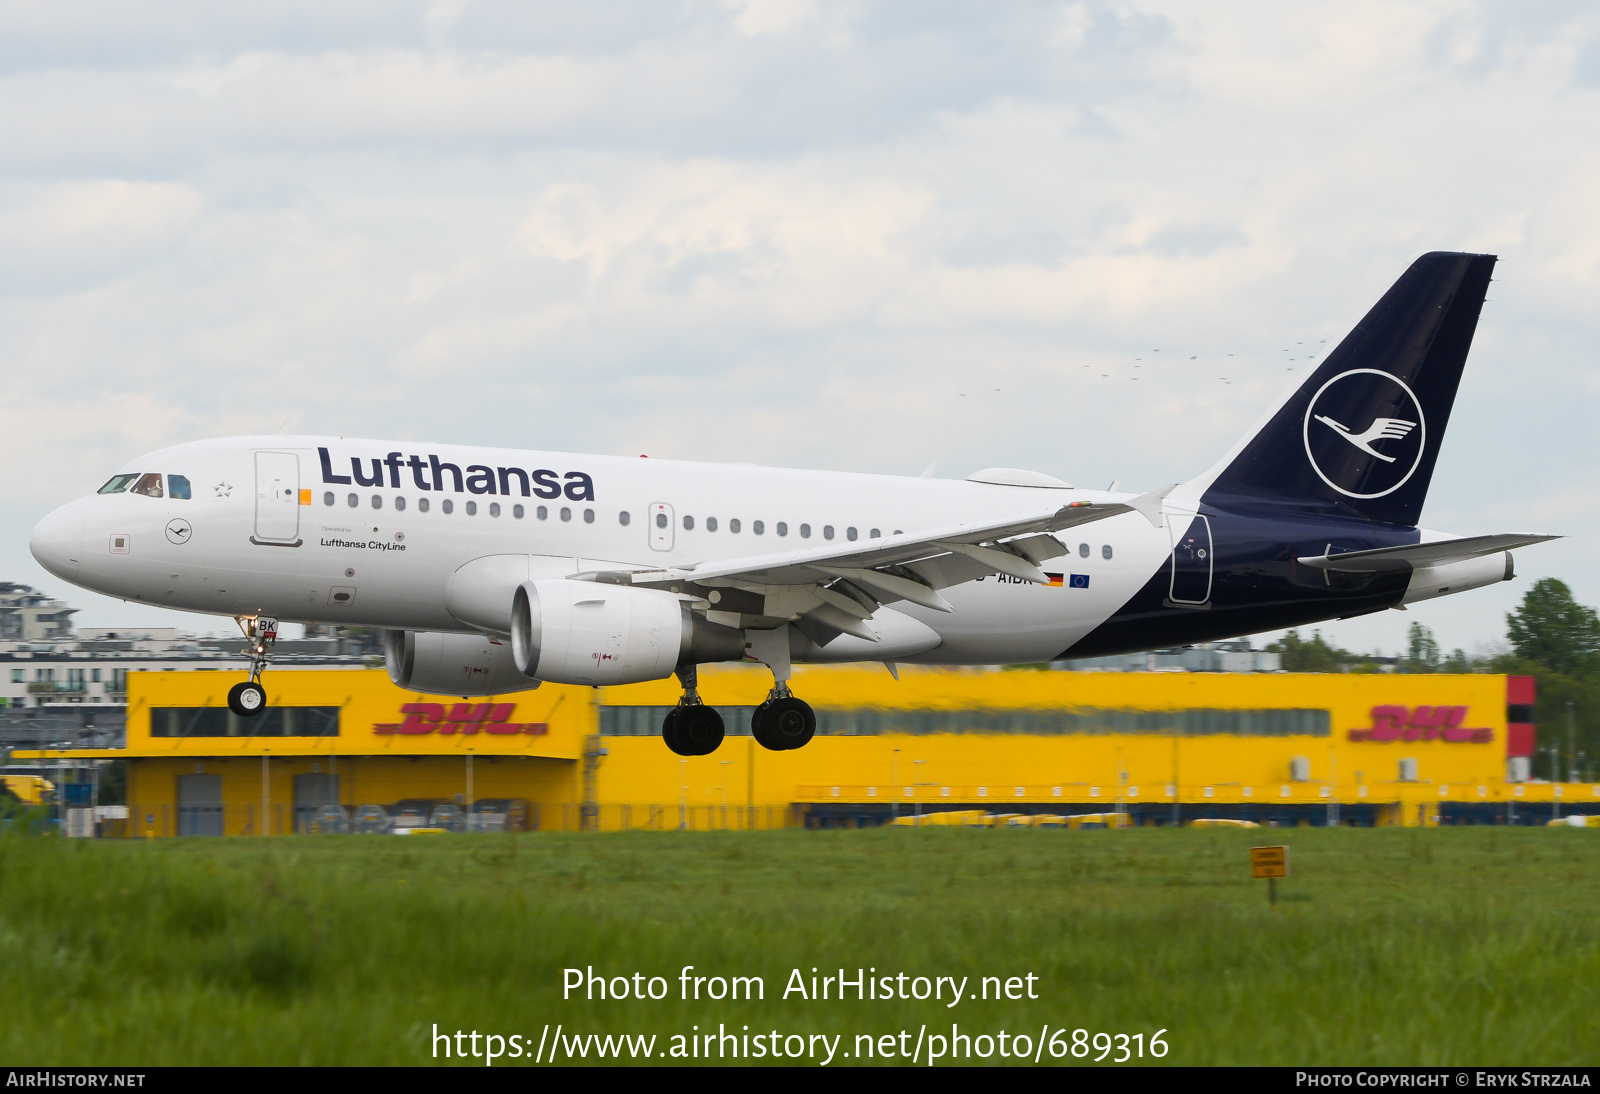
(57, 542)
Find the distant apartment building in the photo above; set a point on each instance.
(27, 615)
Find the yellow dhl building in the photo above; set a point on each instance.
(1151, 748)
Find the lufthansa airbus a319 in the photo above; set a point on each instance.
(493, 570)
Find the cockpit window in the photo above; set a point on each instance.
(178, 487)
(148, 485)
(117, 484)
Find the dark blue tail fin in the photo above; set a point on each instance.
(1362, 433)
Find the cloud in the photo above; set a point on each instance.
(810, 233)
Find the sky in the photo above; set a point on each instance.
(1095, 240)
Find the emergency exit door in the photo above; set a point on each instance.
(661, 530)
(277, 499)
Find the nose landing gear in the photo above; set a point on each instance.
(250, 698)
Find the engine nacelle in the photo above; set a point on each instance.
(587, 632)
(452, 664)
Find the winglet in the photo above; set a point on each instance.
(1148, 504)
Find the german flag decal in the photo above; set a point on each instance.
(1054, 580)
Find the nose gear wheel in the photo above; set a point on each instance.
(250, 698)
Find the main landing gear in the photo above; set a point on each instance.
(692, 728)
(783, 722)
(250, 698)
(780, 723)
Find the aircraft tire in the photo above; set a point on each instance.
(699, 729)
(786, 723)
(247, 699)
(669, 734)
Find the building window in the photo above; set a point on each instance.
(17, 675)
(275, 721)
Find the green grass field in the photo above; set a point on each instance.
(1444, 946)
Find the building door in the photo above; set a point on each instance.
(199, 805)
(312, 792)
(661, 530)
(1191, 559)
(277, 498)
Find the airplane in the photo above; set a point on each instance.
(494, 570)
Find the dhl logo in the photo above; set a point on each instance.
(1396, 723)
(461, 718)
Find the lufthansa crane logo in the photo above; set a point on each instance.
(1365, 433)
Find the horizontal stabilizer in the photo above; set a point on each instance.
(1437, 553)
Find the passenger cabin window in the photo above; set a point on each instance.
(118, 484)
(1105, 550)
(148, 485)
(178, 487)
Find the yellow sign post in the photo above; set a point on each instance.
(1270, 863)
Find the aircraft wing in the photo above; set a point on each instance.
(836, 588)
(1438, 553)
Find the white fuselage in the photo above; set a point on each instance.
(264, 532)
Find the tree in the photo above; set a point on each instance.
(1422, 650)
(1458, 661)
(1553, 630)
(1316, 655)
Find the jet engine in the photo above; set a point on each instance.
(586, 632)
(437, 663)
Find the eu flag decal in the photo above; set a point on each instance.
(1079, 581)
